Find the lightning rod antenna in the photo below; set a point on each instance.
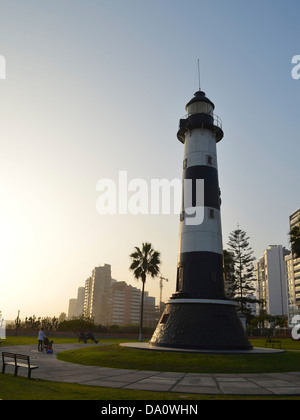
(199, 74)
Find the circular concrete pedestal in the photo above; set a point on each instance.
(196, 324)
(148, 346)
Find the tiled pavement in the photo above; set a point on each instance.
(50, 368)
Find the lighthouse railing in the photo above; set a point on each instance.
(217, 120)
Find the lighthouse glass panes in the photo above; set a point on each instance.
(199, 108)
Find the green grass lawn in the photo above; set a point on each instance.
(286, 343)
(126, 358)
(22, 340)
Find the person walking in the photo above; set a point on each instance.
(41, 338)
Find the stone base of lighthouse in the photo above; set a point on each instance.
(200, 324)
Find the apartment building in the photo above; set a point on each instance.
(293, 274)
(87, 304)
(72, 310)
(126, 303)
(99, 295)
(290, 279)
(76, 306)
(109, 301)
(126, 306)
(271, 284)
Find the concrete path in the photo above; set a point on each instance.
(52, 369)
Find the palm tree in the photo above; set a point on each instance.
(144, 261)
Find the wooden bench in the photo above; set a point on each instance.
(14, 361)
(272, 342)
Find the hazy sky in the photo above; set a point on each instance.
(95, 87)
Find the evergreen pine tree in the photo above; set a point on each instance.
(242, 276)
(228, 265)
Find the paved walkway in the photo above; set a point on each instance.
(52, 369)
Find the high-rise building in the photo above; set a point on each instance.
(135, 299)
(80, 300)
(293, 309)
(126, 306)
(87, 306)
(72, 308)
(100, 294)
(108, 301)
(76, 305)
(271, 280)
(151, 312)
(293, 274)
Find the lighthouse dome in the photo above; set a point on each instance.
(200, 104)
(200, 114)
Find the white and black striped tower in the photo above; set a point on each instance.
(198, 316)
(200, 241)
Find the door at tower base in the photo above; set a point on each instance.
(202, 326)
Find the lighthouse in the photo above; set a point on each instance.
(200, 258)
(198, 315)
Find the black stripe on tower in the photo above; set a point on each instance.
(211, 184)
(200, 276)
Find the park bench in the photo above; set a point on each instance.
(15, 361)
(272, 342)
